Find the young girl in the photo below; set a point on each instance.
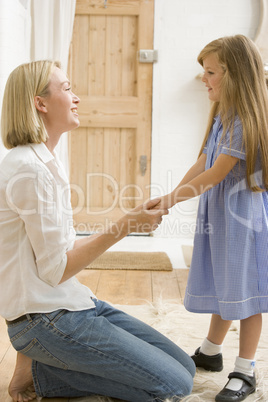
(229, 270)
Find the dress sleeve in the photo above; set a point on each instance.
(233, 145)
(33, 195)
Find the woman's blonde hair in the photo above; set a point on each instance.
(243, 94)
(21, 122)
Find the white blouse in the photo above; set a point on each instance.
(36, 231)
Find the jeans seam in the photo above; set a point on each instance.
(35, 380)
(37, 386)
(56, 318)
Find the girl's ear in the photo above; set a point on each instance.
(40, 104)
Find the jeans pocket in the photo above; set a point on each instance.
(36, 351)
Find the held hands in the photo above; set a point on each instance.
(165, 202)
(146, 217)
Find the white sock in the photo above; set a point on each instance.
(243, 366)
(209, 348)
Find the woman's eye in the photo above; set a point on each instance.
(68, 89)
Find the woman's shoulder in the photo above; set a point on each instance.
(20, 159)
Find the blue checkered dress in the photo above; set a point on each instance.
(229, 270)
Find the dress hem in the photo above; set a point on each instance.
(227, 311)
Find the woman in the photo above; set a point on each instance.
(70, 344)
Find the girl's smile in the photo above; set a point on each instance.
(212, 76)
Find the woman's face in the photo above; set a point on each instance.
(213, 74)
(61, 105)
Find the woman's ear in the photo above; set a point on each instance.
(40, 104)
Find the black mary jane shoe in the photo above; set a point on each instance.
(248, 387)
(210, 363)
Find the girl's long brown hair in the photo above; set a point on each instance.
(243, 94)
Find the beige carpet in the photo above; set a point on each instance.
(188, 330)
(151, 261)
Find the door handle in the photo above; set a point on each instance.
(143, 164)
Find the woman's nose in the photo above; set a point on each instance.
(75, 98)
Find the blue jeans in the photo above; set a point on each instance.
(102, 351)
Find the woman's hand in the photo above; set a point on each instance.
(144, 218)
(165, 203)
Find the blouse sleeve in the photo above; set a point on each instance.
(33, 196)
(233, 144)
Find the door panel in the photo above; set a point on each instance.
(115, 109)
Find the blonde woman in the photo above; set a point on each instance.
(229, 270)
(69, 343)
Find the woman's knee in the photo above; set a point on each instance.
(186, 384)
(191, 367)
(178, 387)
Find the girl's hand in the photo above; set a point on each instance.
(146, 217)
(165, 203)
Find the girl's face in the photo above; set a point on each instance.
(212, 77)
(61, 104)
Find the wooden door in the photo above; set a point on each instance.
(110, 153)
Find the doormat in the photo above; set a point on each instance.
(152, 261)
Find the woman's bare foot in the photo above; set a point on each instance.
(21, 387)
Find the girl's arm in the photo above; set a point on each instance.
(195, 170)
(200, 183)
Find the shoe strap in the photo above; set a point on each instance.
(250, 380)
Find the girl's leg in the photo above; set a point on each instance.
(250, 331)
(209, 355)
(242, 379)
(218, 329)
